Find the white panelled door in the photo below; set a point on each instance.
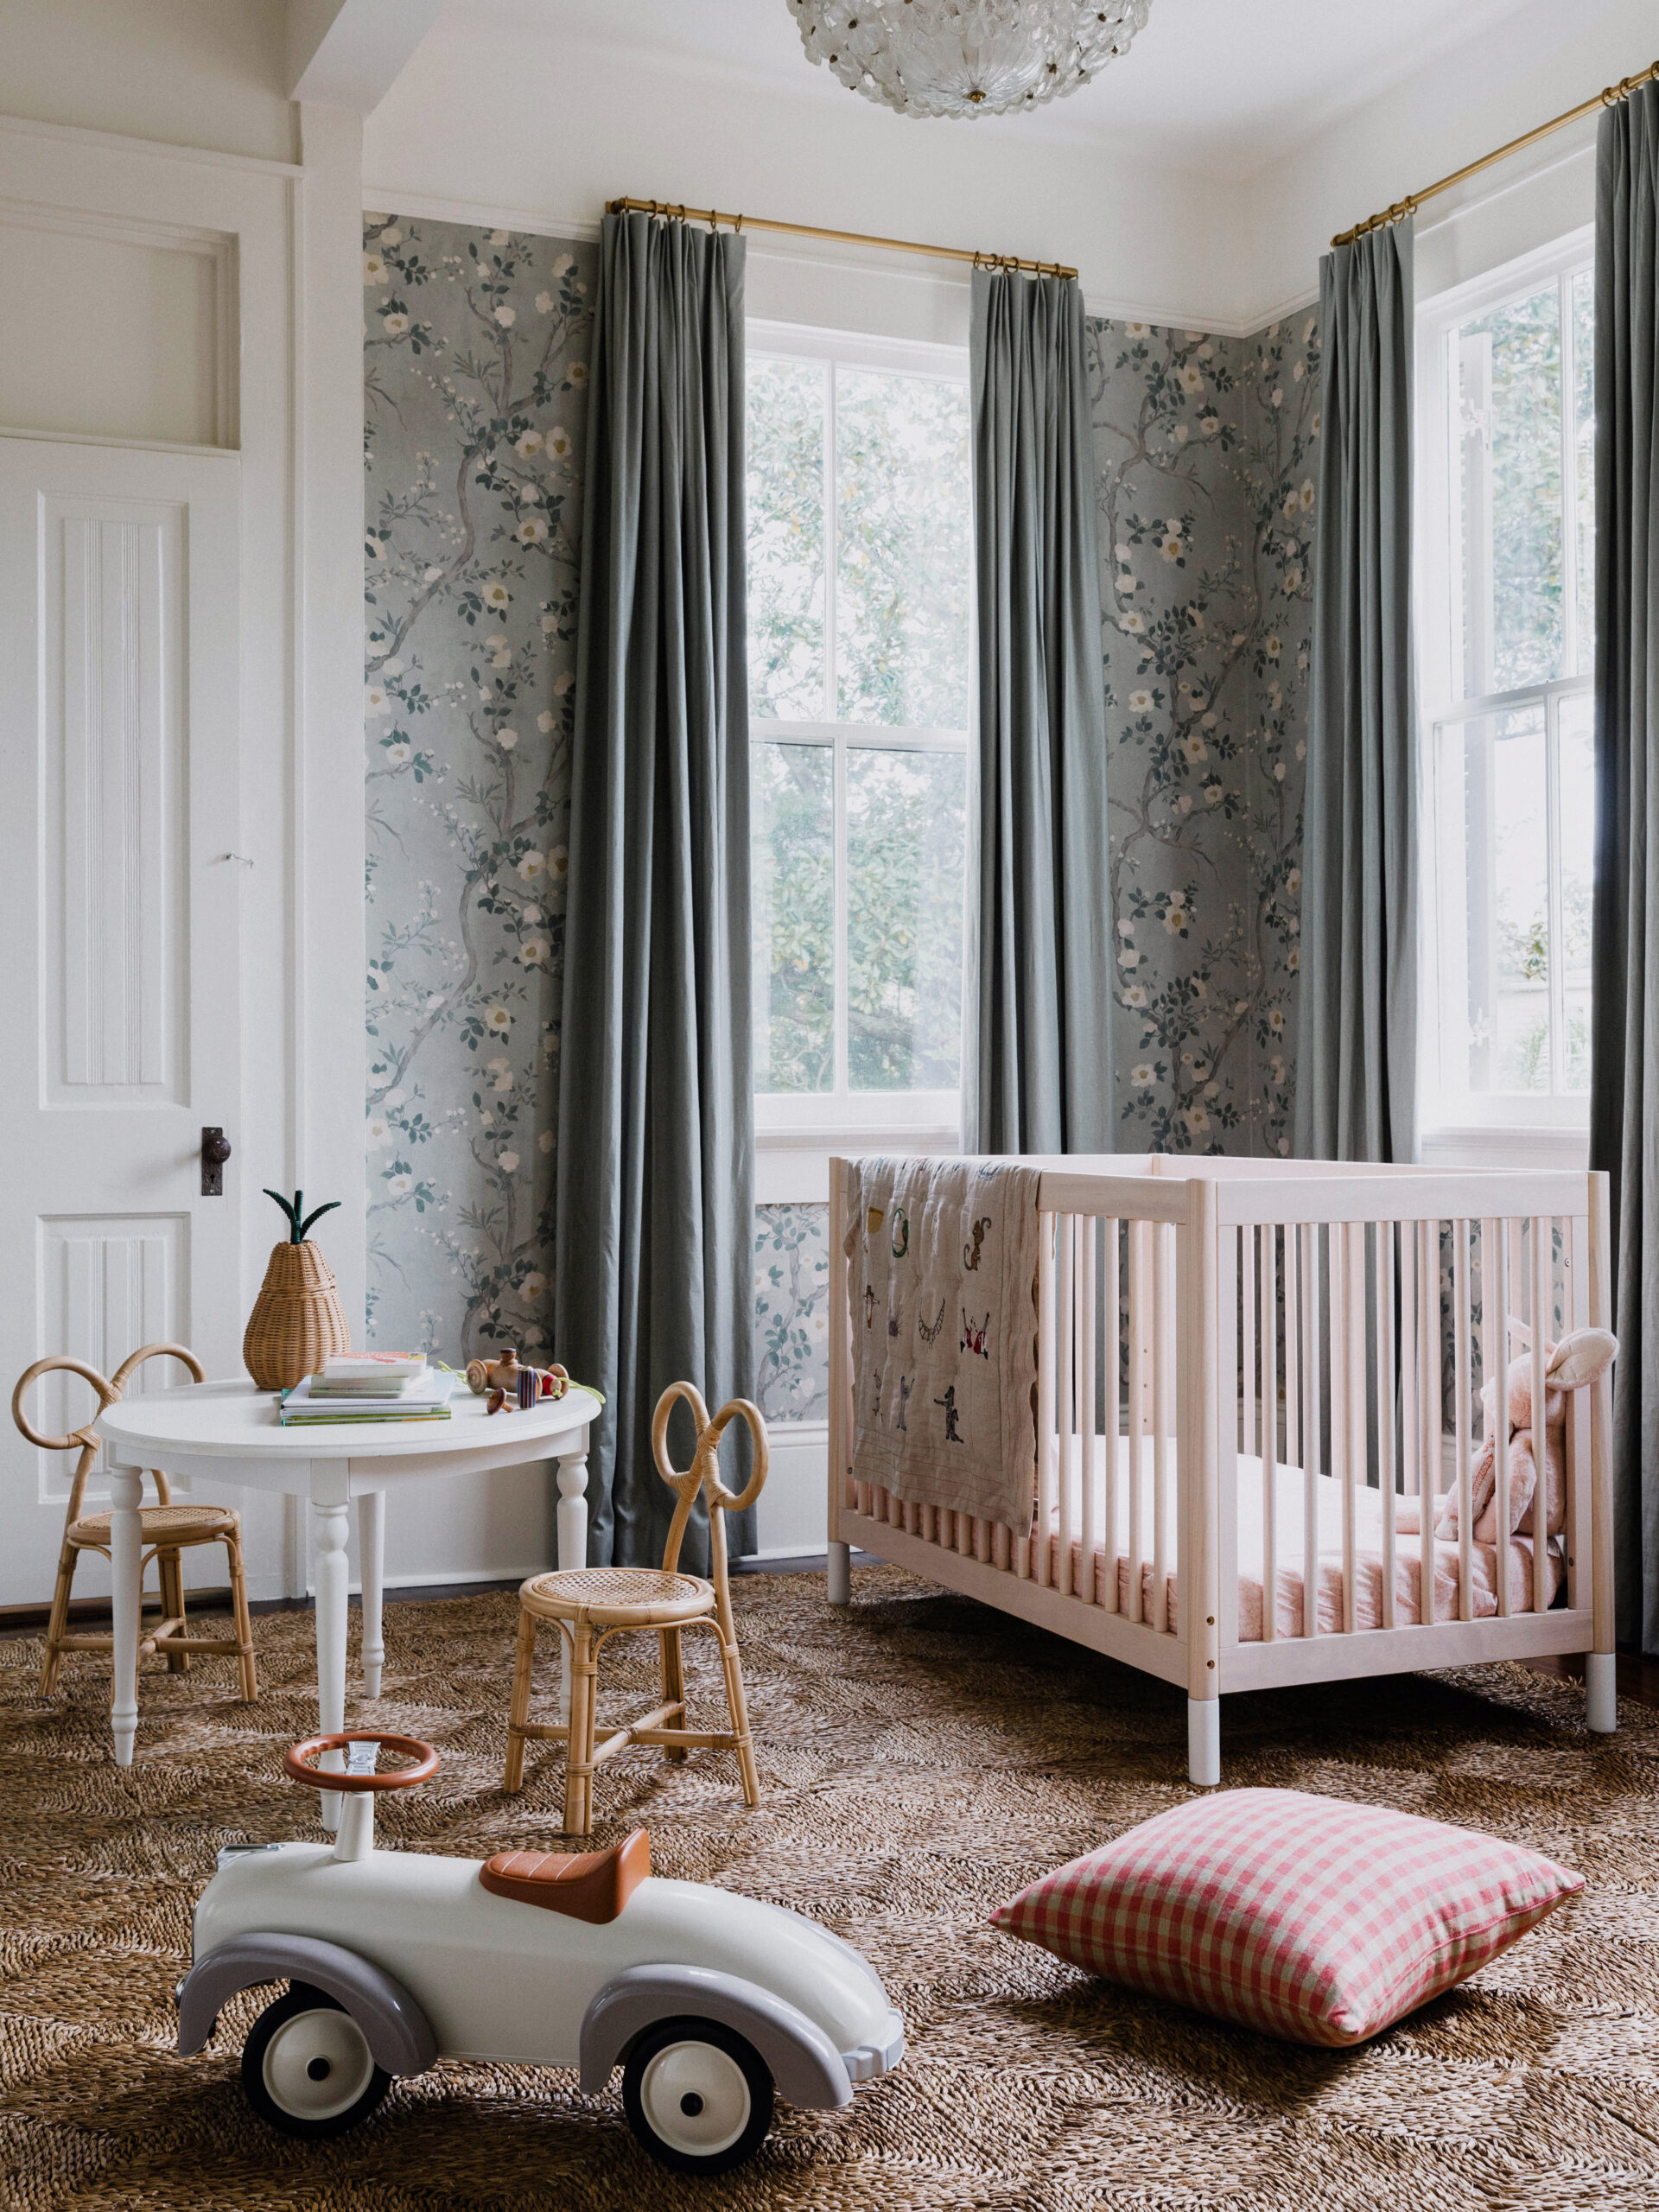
(118, 920)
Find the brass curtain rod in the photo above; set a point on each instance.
(1402, 208)
(713, 217)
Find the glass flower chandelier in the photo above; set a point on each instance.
(966, 57)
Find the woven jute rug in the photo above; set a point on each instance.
(921, 1758)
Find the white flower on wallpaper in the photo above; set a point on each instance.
(475, 363)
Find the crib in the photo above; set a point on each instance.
(1245, 1368)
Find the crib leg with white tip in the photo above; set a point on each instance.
(1204, 1741)
(840, 1574)
(1601, 1692)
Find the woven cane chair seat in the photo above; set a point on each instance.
(172, 1525)
(619, 1597)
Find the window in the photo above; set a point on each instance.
(1506, 613)
(860, 570)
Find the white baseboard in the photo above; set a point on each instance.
(793, 1512)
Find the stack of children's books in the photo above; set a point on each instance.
(358, 1386)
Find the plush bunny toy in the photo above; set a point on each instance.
(1577, 1361)
(501, 1381)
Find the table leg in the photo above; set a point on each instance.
(371, 1554)
(126, 1554)
(573, 1542)
(328, 1526)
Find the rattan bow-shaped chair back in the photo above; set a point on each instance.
(588, 1605)
(169, 1530)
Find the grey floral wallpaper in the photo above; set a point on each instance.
(476, 375)
(791, 1285)
(475, 372)
(1206, 456)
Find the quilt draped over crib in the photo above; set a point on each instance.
(941, 1278)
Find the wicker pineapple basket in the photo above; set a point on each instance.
(297, 1319)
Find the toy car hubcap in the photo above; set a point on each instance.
(317, 2065)
(695, 2098)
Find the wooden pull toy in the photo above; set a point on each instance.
(503, 1382)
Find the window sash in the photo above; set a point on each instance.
(794, 1116)
(1460, 1105)
(1440, 600)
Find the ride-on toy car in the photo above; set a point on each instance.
(396, 1959)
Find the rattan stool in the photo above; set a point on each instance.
(588, 1605)
(169, 1531)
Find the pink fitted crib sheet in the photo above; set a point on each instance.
(1291, 1491)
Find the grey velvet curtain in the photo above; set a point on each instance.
(1357, 1056)
(653, 1230)
(1038, 1077)
(1624, 1023)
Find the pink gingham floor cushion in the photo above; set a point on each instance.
(1305, 1917)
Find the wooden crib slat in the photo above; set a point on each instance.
(1385, 1388)
(1460, 1417)
(1494, 1340)
(1163, 1367)
(1358, 1422)
(1338, 1350)
(1065, 1361)
(1506, 1270)
(1246, 1421)
(1309, 1432)
(1113, 1422)
(1293, 1382)
(1035, 1553)
(1269, 1382)
(1426, 1322)
(1576, 1315)
(1089, 1232)
(1543, 1255)
(1411, 1416)
(1139, 1269)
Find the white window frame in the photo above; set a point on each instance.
(796, 1133)
(1458, 1125)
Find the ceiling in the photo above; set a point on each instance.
(1218, 86)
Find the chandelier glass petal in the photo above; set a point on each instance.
(966, 57)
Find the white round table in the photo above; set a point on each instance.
(230, 1431)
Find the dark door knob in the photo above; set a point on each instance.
(215, 1151)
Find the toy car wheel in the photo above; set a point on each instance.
(307, 2066)
(697, 2096)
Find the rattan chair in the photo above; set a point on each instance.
(169, 1530)
(588, 1605)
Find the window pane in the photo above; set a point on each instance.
(903, 565)
(1509, 395)
(1520, 865)
(792, 895)
(785, 415)
(1584, 433)
(906, 823)
(1492, 813)
(1578, 818)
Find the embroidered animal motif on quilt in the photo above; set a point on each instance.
(953, 1427)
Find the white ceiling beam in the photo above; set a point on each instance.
(349, 52)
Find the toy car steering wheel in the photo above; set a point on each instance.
(296, 1762)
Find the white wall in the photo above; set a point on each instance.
(525, 125)
(190, 72)
(517, 123)
(1500, 85)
